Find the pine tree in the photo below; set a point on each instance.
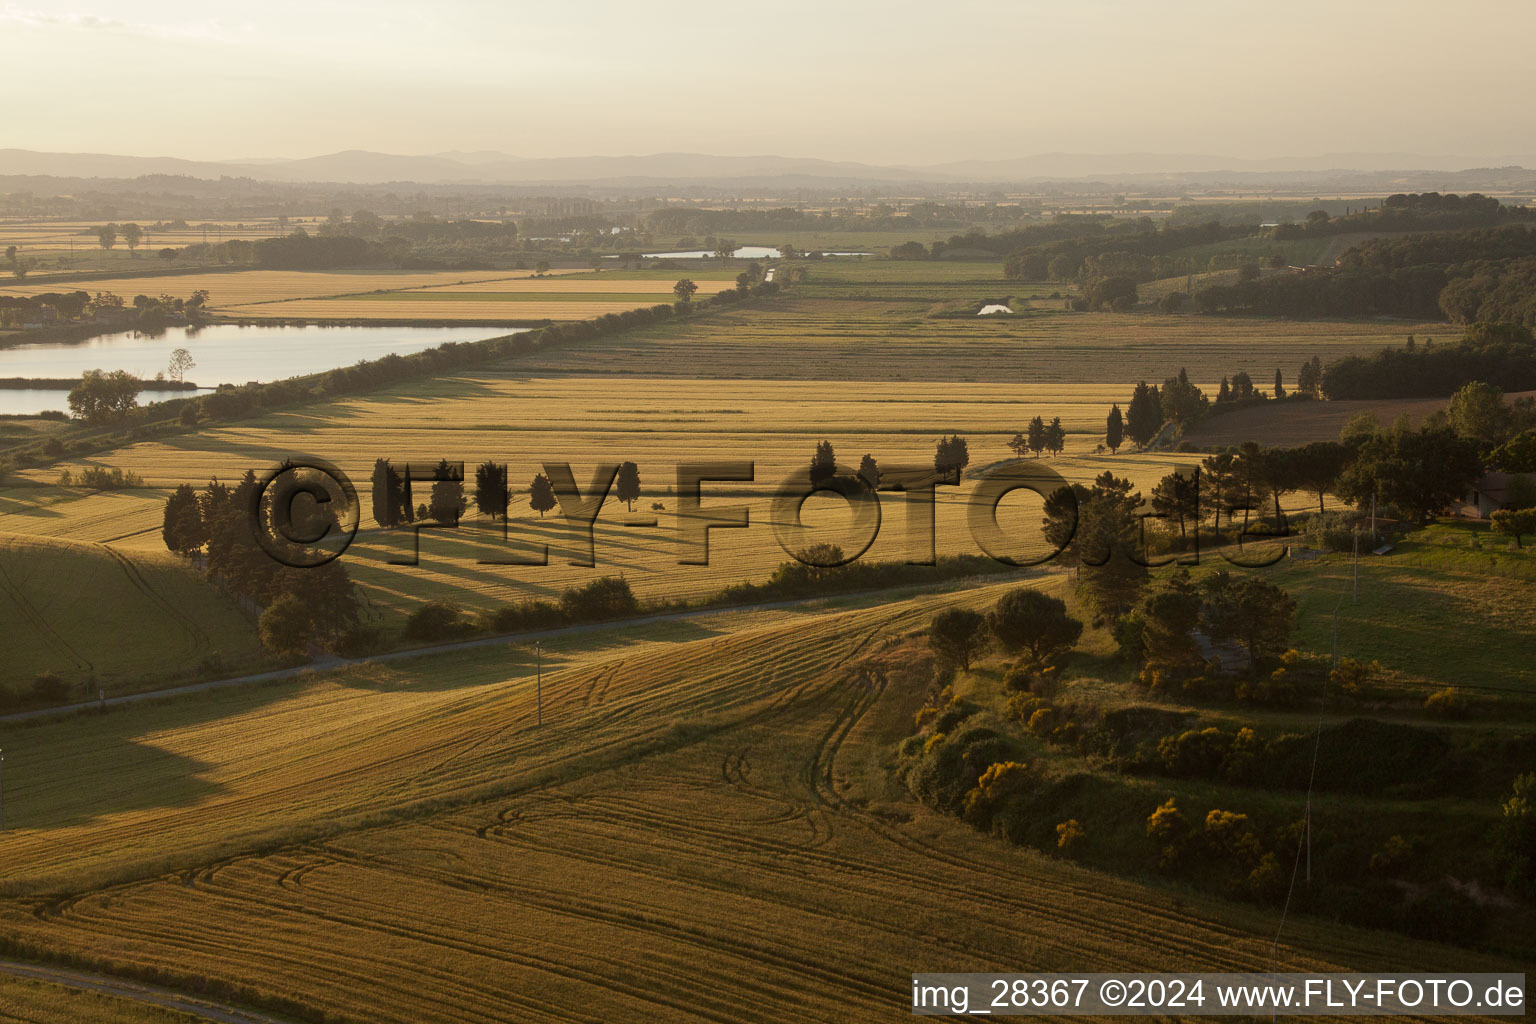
(184, 531)
(1018, 445)
(1114, 430)
(383, 512)
(869, 471)
(1279, 384)
(541, 495)
(952, 454)
(627, 488)
(1225, 394)
(823, 463)
(1144, 418)
(1037, 436)
(491, 495)
(1055, 436)
(447, 501)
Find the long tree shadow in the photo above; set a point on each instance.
(119, 774)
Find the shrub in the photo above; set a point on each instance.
(1447, 703)
(952, 764)
(525, 615)
(1444, 913)
(48, 688)
(605, 598)
(997, 784)
(436, 621)
(1169, 829)
(1070, 837)
(286, 627)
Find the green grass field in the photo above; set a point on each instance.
(108, 620)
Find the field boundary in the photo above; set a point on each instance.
(332, 662)
(154, 995)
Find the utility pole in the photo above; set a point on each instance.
(1356, 598)
(538, 679)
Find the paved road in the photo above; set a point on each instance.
(330, 662)
(196, 1006)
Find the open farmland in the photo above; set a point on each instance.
(239, 288)
(762, 384)
(696, 807)
(488, 299)
(34, 1001)
(54, 247)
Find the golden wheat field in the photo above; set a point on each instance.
(763, 385)
(659, 424)
(248, 287)
(34, 1001)
(704, 803)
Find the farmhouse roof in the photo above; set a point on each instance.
(1495, 485)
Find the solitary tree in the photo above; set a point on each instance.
(957, 636)
(869, 471)
(181, 362)
(491, 495)
(1026, 619)
(133, 235)
(1514, 522)
(1279, 383)
(541, 268)
(541, 495)
(106, 236)
(447, 501)
(684, 290)
(627, 487)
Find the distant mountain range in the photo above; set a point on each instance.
(491, 168)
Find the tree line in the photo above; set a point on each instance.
(301, 607)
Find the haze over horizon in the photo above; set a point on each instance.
(973, 80)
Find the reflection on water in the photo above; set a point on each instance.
(221, 353)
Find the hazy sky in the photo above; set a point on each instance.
(910, 82)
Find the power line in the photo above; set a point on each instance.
(1304, 842)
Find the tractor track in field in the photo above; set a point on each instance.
(39, 621)
(136, 578)
(500, 640)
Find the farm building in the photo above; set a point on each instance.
(993, 309)
(1491, 493)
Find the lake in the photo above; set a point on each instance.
(222, 354)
